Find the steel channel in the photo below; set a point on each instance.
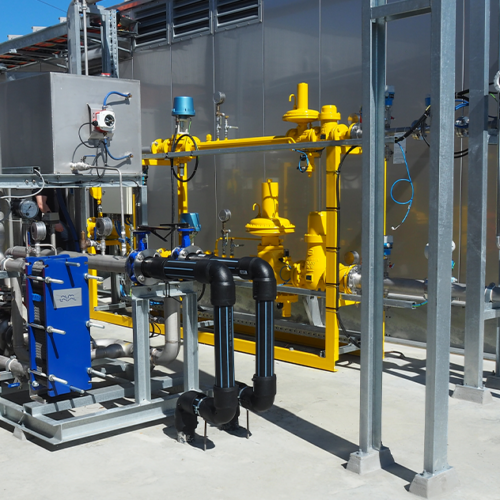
(479, 18)
(140, 317)
(400, 10)
(440, 234)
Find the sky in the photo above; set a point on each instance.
(18, 16)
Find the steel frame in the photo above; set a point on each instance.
(437, 475)
(41, 419)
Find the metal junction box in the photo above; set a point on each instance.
(45, 118)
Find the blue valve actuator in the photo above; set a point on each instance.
(183, 107)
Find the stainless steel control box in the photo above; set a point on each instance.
(46, 119)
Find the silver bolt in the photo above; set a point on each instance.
(140, 278)
(35, 384)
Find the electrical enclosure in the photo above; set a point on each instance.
(43, 116)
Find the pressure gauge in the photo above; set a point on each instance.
(225, 215)
(26, 209)
(104, 226)
(219, 97)
(38, 231)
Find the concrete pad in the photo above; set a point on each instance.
(296, 451)
(364, 463)
(478, 395)
(442, 484)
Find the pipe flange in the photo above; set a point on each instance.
(189, 251)
(139, 259)
(354, 279)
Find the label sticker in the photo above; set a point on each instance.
(71, 297)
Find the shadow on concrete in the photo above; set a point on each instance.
(325, 440)
(411, 369)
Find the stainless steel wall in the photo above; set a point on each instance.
(258, 67)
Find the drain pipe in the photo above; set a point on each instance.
(113, 349)
(170, 350)
(260, 397)
(223, 406)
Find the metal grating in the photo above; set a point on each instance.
(190, 17)
(152, 24)
(236, 11)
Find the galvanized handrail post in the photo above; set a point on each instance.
(473, 388)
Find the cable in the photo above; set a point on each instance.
(337, 188)
(421, 304)
(197, 160)
(303, 157)
(126, 157)
(9, 197)
(80, 136)
(285, 282)
(202, 292)
(410, 201)
(415, 126)
(126, 96)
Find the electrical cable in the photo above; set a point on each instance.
(108, 152)
(80, 137)
(202, 292)
(197, 160)
(9, 197)
(303, 157)
(126, 96)
(409, 180)
(337, 189)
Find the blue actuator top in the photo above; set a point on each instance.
(183, 106)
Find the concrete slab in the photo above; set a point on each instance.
(297, 450)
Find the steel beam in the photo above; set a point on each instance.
(400, 10)
(190, 330)
(142, 364)
(57, 31)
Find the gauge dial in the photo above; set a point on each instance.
(26, 209)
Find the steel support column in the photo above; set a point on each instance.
(369, 456)
(438, 477)
(479, 22)
(190, 331)
(142, 364)
(74, 39)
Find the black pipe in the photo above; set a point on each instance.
(260, 397)
(223, 406)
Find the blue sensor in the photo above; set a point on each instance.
(183, 107)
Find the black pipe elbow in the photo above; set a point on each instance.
(220, 409)
(261, 397)
(262, 275)
(215, 273)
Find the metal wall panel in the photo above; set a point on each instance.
(258, 67)
(192, 75)
(153, 68)
(291, 56)
(239, 73)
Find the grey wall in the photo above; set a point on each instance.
(258, 66)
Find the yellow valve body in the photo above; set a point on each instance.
(301, 114)
(269, 223)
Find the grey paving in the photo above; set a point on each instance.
(297, 450)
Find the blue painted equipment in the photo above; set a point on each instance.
(193, 220)
(58, 316)
(183, 107)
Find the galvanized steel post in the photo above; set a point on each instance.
(472, 388)
(438, 477)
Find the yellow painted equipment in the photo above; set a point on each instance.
(321, 269)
